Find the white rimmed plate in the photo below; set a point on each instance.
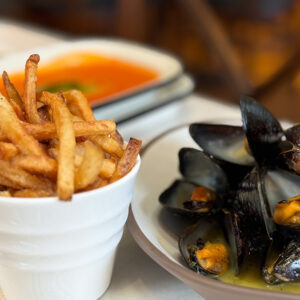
(156, 230)
(166, 66)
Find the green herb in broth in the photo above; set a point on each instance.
(65, 86)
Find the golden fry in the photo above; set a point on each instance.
(5, 194)
(36, 165)
(90, 167)
(8, 183)
(14, 131)
(108, 168)
(65, 132)
(29, 96)
(128, 160)
(11, 91)
(99, 182)
(21, 178)
(77, 99)
(47, 131)
(108, 144)
(18, 110)
(74, 110)
(7, 150)
(53, 152)
(31, 193)
(117, 136)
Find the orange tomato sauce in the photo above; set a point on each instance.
(98, 77)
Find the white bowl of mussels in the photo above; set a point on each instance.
(222, 214)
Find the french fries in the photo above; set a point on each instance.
(5, 193)
(7, 150)
(29, 97)
(19, 177)
(76, 99)
(46, 167)
(90, 167)
(47, 131)
(51, 144)
(13, 130)
(79, 105)
(127, 161)
(65, 132)
(30, 193)
(11, 91)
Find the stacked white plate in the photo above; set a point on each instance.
(172, 84)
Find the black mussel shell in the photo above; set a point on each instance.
(176, 199)
(293, 135)
(254, 220)
(195, 237)
(264, 133)
(237, 238)
(195, 166)
(279, 185)
(223, 142)
(286, 267)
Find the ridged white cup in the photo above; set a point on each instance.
(55, 250)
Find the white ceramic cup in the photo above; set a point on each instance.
(56, 250)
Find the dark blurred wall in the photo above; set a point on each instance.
(263, 34)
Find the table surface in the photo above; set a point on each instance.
(135, 275)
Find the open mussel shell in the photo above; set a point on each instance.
(195, 166)
(263, 131)
(224, 142)
(255, 223)
(279, 185)
(284, 267)
(176, 199)
(194, 238)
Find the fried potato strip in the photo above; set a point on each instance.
(29, 96)
(108, 144)
(66, 135)
(47, 131)
(12, 129)
(127, 161)
(7, 150)
(11, 91)
(36, 165)
(21, 178)
(90, 167)
(31, 193)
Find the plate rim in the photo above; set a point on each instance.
(181, 272)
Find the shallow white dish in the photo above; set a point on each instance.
(156, 231)
(135, 106)
(166, 66)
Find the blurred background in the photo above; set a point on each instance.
(229, 46)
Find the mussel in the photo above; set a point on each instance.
(223, 142)
(244, 189)
(286, 266)
(263, 131)
(203, 189)
(204, 248)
